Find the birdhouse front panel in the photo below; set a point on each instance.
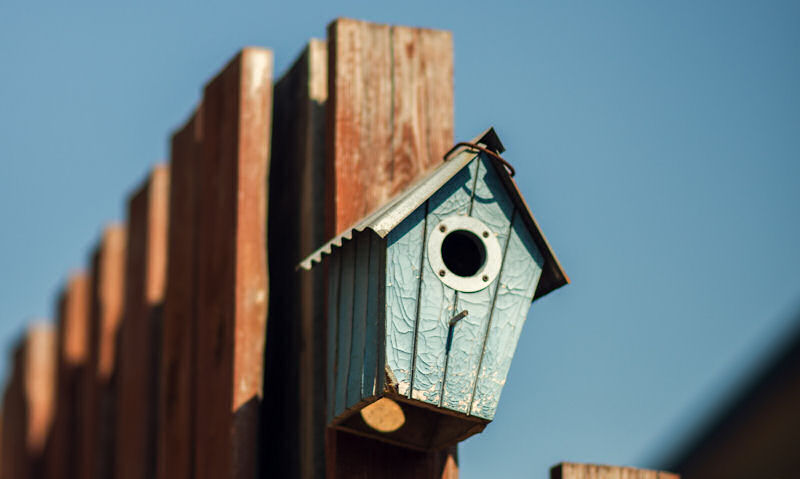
(464, 258)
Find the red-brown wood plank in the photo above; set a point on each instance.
(356, 456)
(390, 113)
(137, 383)
(28, 404)
(106, 297)
(232, 266)
(390, 120)
(294, 439)
(63, 448)
(176, 401)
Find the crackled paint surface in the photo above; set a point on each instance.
(436, 300)
(491, 205)
(522, 267)
(389, 310)
(403, 257)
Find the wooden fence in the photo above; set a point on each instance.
(191, 347)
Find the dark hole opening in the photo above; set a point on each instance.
(463, 253)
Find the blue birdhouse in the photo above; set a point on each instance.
(427, 297)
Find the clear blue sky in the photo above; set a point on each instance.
(658, 144)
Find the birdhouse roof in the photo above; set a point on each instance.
(393, 212)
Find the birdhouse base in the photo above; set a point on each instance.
(402, 422)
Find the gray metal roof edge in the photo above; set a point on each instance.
(384, 219)
(389, 216)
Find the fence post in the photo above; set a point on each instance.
(176, 392)
(293, 440)
(139, 332)
(63, 450)
(28, 404)
(106, 296)
(232, 266)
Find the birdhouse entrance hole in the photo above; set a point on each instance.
(463, 253)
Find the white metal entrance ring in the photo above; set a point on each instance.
(464, 253)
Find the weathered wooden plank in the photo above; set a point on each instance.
(360, 303)
(436, 300)
(359, 119)
(294, 439)
(345, 324)
(175, 435)
(522, 267)
(232, 266)
(40, 383)
(493, 207)
(105, 307)
(390, 113)
(107, 295)
(376, 292)
(63, 452)
(334, 266)
(422, 102)
(567, 470)
(137, 381)
(404, 256)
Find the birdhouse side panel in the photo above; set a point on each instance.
(334, 268)
(437, 300)
(355, 373)
(344, 326)
(492, 206)
(355, 317)
(373, 375)
(404, 248)
(522, 268)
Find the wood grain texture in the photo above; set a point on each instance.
(334, 267)
(404, 256)
(107, 296)
(139, 339)
(567, 470)
(374, 351)
(344, 332)
(63, 450)
(522, 268)
(232, 266)
(294, 439)
(390, 113)
(355, 373)
(436, 300)
(176, 405)
(491, 205)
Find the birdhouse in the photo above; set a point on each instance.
(427, 297)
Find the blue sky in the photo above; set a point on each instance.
(657, 143)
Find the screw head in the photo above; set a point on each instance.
(485, 234)
(443, 228)
(485, 278)
(441, 272)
